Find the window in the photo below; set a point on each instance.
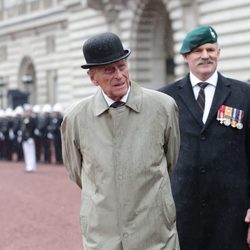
(3, 53)
(11, 3)
(51, 86)
(50, 44)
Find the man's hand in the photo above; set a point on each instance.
(247, 220)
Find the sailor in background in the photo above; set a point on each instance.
(17, 130)
(54, 132)
(9, 134)
(37, 134)
(28, 143)
(2, 138)
(43, 127)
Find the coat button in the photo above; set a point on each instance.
(125, 235)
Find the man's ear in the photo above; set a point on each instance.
(218, 52)
(92, 77)
(185, 57)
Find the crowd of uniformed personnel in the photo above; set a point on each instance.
(37, 124)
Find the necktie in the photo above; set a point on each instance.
(201, 96)
(117, 104)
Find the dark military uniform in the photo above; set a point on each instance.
(28, 127)
(54, 129)
(17, 130)
(1, 139)
(43, 127)
(5, 138)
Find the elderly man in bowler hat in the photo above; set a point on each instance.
(210, 182)
(120, 146)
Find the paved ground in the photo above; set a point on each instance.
(38, 211)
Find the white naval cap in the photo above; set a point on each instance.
(46, 108)
(2, 113)
(27, 107)
(57, 107)
(18, 110)
(9, 112)
(36, 108)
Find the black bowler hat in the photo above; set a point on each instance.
(104, 48)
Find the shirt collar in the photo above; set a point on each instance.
(212, 80)
(134, 99)
(110, 101)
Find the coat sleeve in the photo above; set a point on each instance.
(71, 153)
(172, 136)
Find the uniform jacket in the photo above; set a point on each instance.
(211, 180)
(43, 124)
(28, 127)
(122, 158)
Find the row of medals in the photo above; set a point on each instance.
(230, 116)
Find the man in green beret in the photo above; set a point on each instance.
(211, 179)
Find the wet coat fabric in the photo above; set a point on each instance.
(122, 159)
(210, 182)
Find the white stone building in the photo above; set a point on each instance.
(41, 42)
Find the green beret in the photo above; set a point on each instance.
(198, 37)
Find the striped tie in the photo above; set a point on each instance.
(201, 96)
(117, 104)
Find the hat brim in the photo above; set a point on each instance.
(90, 65)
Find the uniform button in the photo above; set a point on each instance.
(203, 170)
(125, 235)
(203, 203)
(203, 137)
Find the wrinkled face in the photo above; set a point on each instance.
(112, 78)
(202, 61)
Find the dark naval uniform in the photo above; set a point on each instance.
(54, 130)
(43, 127)
(28, 144)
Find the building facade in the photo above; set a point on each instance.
(41, 42)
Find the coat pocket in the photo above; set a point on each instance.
(86, 205)
(168, 206)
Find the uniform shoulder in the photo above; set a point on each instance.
(171, 87)
(239, 83)
(242, 86)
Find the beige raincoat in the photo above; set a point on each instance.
(122, 159)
